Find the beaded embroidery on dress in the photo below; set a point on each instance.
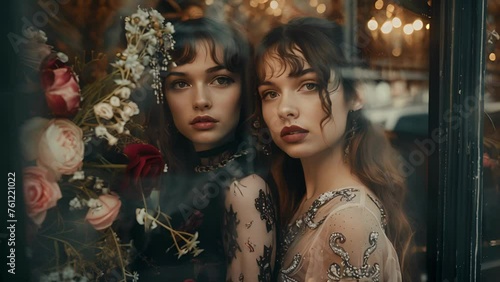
(348, 242)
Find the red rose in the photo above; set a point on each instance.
(143, 170)
(60, 84)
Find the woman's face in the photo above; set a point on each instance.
(292, 110)
(204, 99)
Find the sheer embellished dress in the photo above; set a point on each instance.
(340, 238)
(230, 206)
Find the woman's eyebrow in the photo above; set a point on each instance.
(294, 75)
(216, 68)
(175, 74)
(302, 72)
(209, 70)
(266, 82)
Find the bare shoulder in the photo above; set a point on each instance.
(253, 180)
(251, 186)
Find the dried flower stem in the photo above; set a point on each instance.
(117, 245)
(117, 166)
(66, 244)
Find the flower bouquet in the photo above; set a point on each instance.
(87, 165)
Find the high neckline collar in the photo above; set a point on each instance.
(229, 147)
(216, 157)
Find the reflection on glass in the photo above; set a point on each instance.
(490, 264)
(396, 93)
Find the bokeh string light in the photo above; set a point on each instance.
(396, 25)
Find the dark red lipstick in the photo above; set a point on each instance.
(203, 122)
(293, 134)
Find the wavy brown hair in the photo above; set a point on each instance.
(372, 159)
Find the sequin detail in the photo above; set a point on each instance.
(293, 266)
(383, 216)
(264, 263)
(222, 163)
(307, 219)
(346, 269)
(230, 234)
(264, 204)
(324, 198)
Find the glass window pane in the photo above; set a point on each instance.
(396, 38)
(490, 265)
(387, 44)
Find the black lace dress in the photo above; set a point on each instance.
(229, 205)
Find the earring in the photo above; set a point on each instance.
(261, 134)
(351, 137)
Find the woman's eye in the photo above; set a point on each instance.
(269, 95)
(178, 85)
(222, 81)
(310, 86)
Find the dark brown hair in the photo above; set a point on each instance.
(177, 150)
(371, 158)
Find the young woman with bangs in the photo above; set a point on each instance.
(340, 191)
(212, 186)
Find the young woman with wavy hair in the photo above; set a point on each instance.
(340, 191)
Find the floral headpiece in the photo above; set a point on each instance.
(149, 40)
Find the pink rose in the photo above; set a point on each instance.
(60, 84)
(40, 193)
(61, 147)
(105, 212)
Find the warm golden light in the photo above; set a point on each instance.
(254, 3)
(418, 24)
(372, 24)
(396, 22)
(427, 26)
(492, 57)
(408, 29)
(379, 4)
(321, 8)
(269, 11)
(313, 3)
(390, 8)
(209, 2)
(274, 4)
(386, 27)
(277, 12)
(396, 52)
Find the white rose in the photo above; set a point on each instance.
(100, 131)
(114, 101)
(103, 110)
(123, 92)
(61, 147)
(124, 114)
(133, 108)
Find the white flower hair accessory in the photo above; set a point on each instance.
(149, 40)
